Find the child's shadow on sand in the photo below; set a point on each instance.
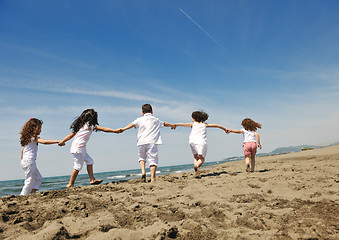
(264, 170)
(215, 174)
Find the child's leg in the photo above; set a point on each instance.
(199, 151)
(90, 173)
(37, 181)
(29, 168)
(198, 161)
(143, 167)
(142, 160)
(152, 156)
(153, 171)
(247, 152)
(247, 161)
(78, 162)
(253, 152)
(92, 179)
(252, 162)
(89, 162)
(143, 170)
(72, 179)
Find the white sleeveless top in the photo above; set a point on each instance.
(198, 134)
(30, 150)
(248, 136)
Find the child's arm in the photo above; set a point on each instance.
(172, 126)
(105, 129)
(217, 126)
(67, 138)
(235, 131)
(42, 141)
(183, 124)
(129, 126)
(258, 139)
(22, 152)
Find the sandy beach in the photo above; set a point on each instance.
(289, 196)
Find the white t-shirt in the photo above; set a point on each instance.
(148, 129)
(198, 134)
(248, 135)
(30, 150)
(81, 138)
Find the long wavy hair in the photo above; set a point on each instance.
(250, 125)
(30, 131)
(88, 116)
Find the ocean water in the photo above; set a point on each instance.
(14, 187)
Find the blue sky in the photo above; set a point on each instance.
(274, 61)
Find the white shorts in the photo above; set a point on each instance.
(149, 152)
(33, 177)
(81, 157)
(200, 149)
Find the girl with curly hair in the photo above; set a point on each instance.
(198, 137)
(29, 141)
(251, 141)
(82, 128)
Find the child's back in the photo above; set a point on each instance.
(198, 134)
(148, 129)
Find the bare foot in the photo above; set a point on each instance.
(247, 168)
(197, 173)
(96, 182)
(143, 178)
(69, 186)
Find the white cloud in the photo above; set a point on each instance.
(76, 87)
(46, 55)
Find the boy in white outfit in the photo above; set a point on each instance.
(148, 139)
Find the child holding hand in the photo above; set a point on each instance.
(148, 139)
(198, 137)
(29, 141)
(251, 141)
(82, 128)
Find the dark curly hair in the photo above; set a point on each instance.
(199, 116)
(88, 116)
(250, 125)
(30, 130)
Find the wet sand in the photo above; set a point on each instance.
(289, 196)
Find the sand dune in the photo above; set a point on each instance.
(291, 196)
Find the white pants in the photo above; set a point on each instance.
(80, 158)
(200, 149)
(33, 177)
(149, 152)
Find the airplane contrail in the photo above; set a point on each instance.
(202, 29)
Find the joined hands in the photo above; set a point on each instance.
(119, 130)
